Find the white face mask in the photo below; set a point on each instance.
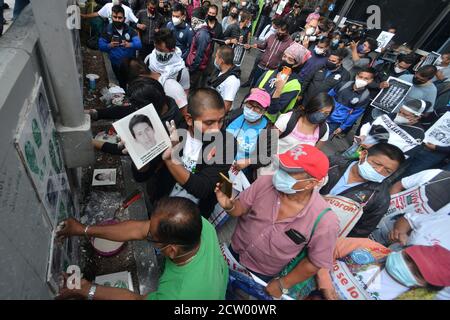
(319, 51)
(310, 31)
(399, 119)
(359, 83)
(398, 70)
(176, 21)
(116, 2)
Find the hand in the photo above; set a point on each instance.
(305, 42)
(240, 165)
(353, 45)
(83, 15)
(280, 82)
(330, 294)
(440, 75)
(395, 236)
(69, 228)
(141, 26)
(430, 146)
(126, 44)
(122, 145)
(273, 288)
(173, 132)
(384, 85)
(228, 42)
(241, 39)
(222, 199)
(66, 293)
(114, 44)
(359, 139)
(337, 132)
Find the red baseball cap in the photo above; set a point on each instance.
(433, 263)
(305, 158)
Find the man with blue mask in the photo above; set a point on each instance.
(277, 215)
(358, 55)
(246, 125)
(226, 79)
(364, 182)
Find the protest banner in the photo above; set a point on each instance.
(389, 100)
(439, 133)
(383, 129)
(348, 212)
(383, 40)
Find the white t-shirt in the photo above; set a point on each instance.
(295, 138)
(191, 154)
(174, 90)
(106, 12)
(229, 88)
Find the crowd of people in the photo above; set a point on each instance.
(311, 83)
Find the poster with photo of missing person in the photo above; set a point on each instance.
(144, 135)
(389, 100)
(439, 133)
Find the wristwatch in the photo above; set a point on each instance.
(92, 292)
(280, 284)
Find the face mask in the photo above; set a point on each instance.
(233, 15)
(368, 173)
(163, 57)
(251, 116)
(118, 25)
(116, 2)
(284, 183)
(361, 48)
(216, 65)
(398, 269)
(317, 10)
(176, 21)
(417, 82)
(284, 64)
(330, 65)
(319, 51)
(240, 18)
(224, 4)
(317, 117)
(211, 18)
(281, 36)
(273, 30)
(399, 70)
(399, 119)
(310, 31)
(335, 42)
(244, 4)
(359, 83)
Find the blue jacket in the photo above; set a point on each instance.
(349, 105)
(314, 63)
(116, 55)
(183, 34)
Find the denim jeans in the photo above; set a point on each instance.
(424, 159)
(18, 7)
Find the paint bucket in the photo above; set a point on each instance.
(107, 248)
(92, 81)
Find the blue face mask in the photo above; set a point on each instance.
(398, 269)
(250, 115)
(367, 172)
(284, 183)
(361, 48)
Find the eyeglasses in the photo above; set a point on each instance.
(255, 108)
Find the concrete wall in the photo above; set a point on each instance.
(24, 233)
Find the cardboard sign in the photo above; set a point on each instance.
(383, 40)
(144, 135)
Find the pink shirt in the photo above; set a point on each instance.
(261, 241)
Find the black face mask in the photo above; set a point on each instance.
(211, 18)
(281, 36)
(118, 25)
(233, 15)
(418, 82)
(284, 64)
(330, 65)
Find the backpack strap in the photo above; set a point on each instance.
(179, 75)
(321, 215)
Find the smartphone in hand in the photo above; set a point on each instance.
(226, 185)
